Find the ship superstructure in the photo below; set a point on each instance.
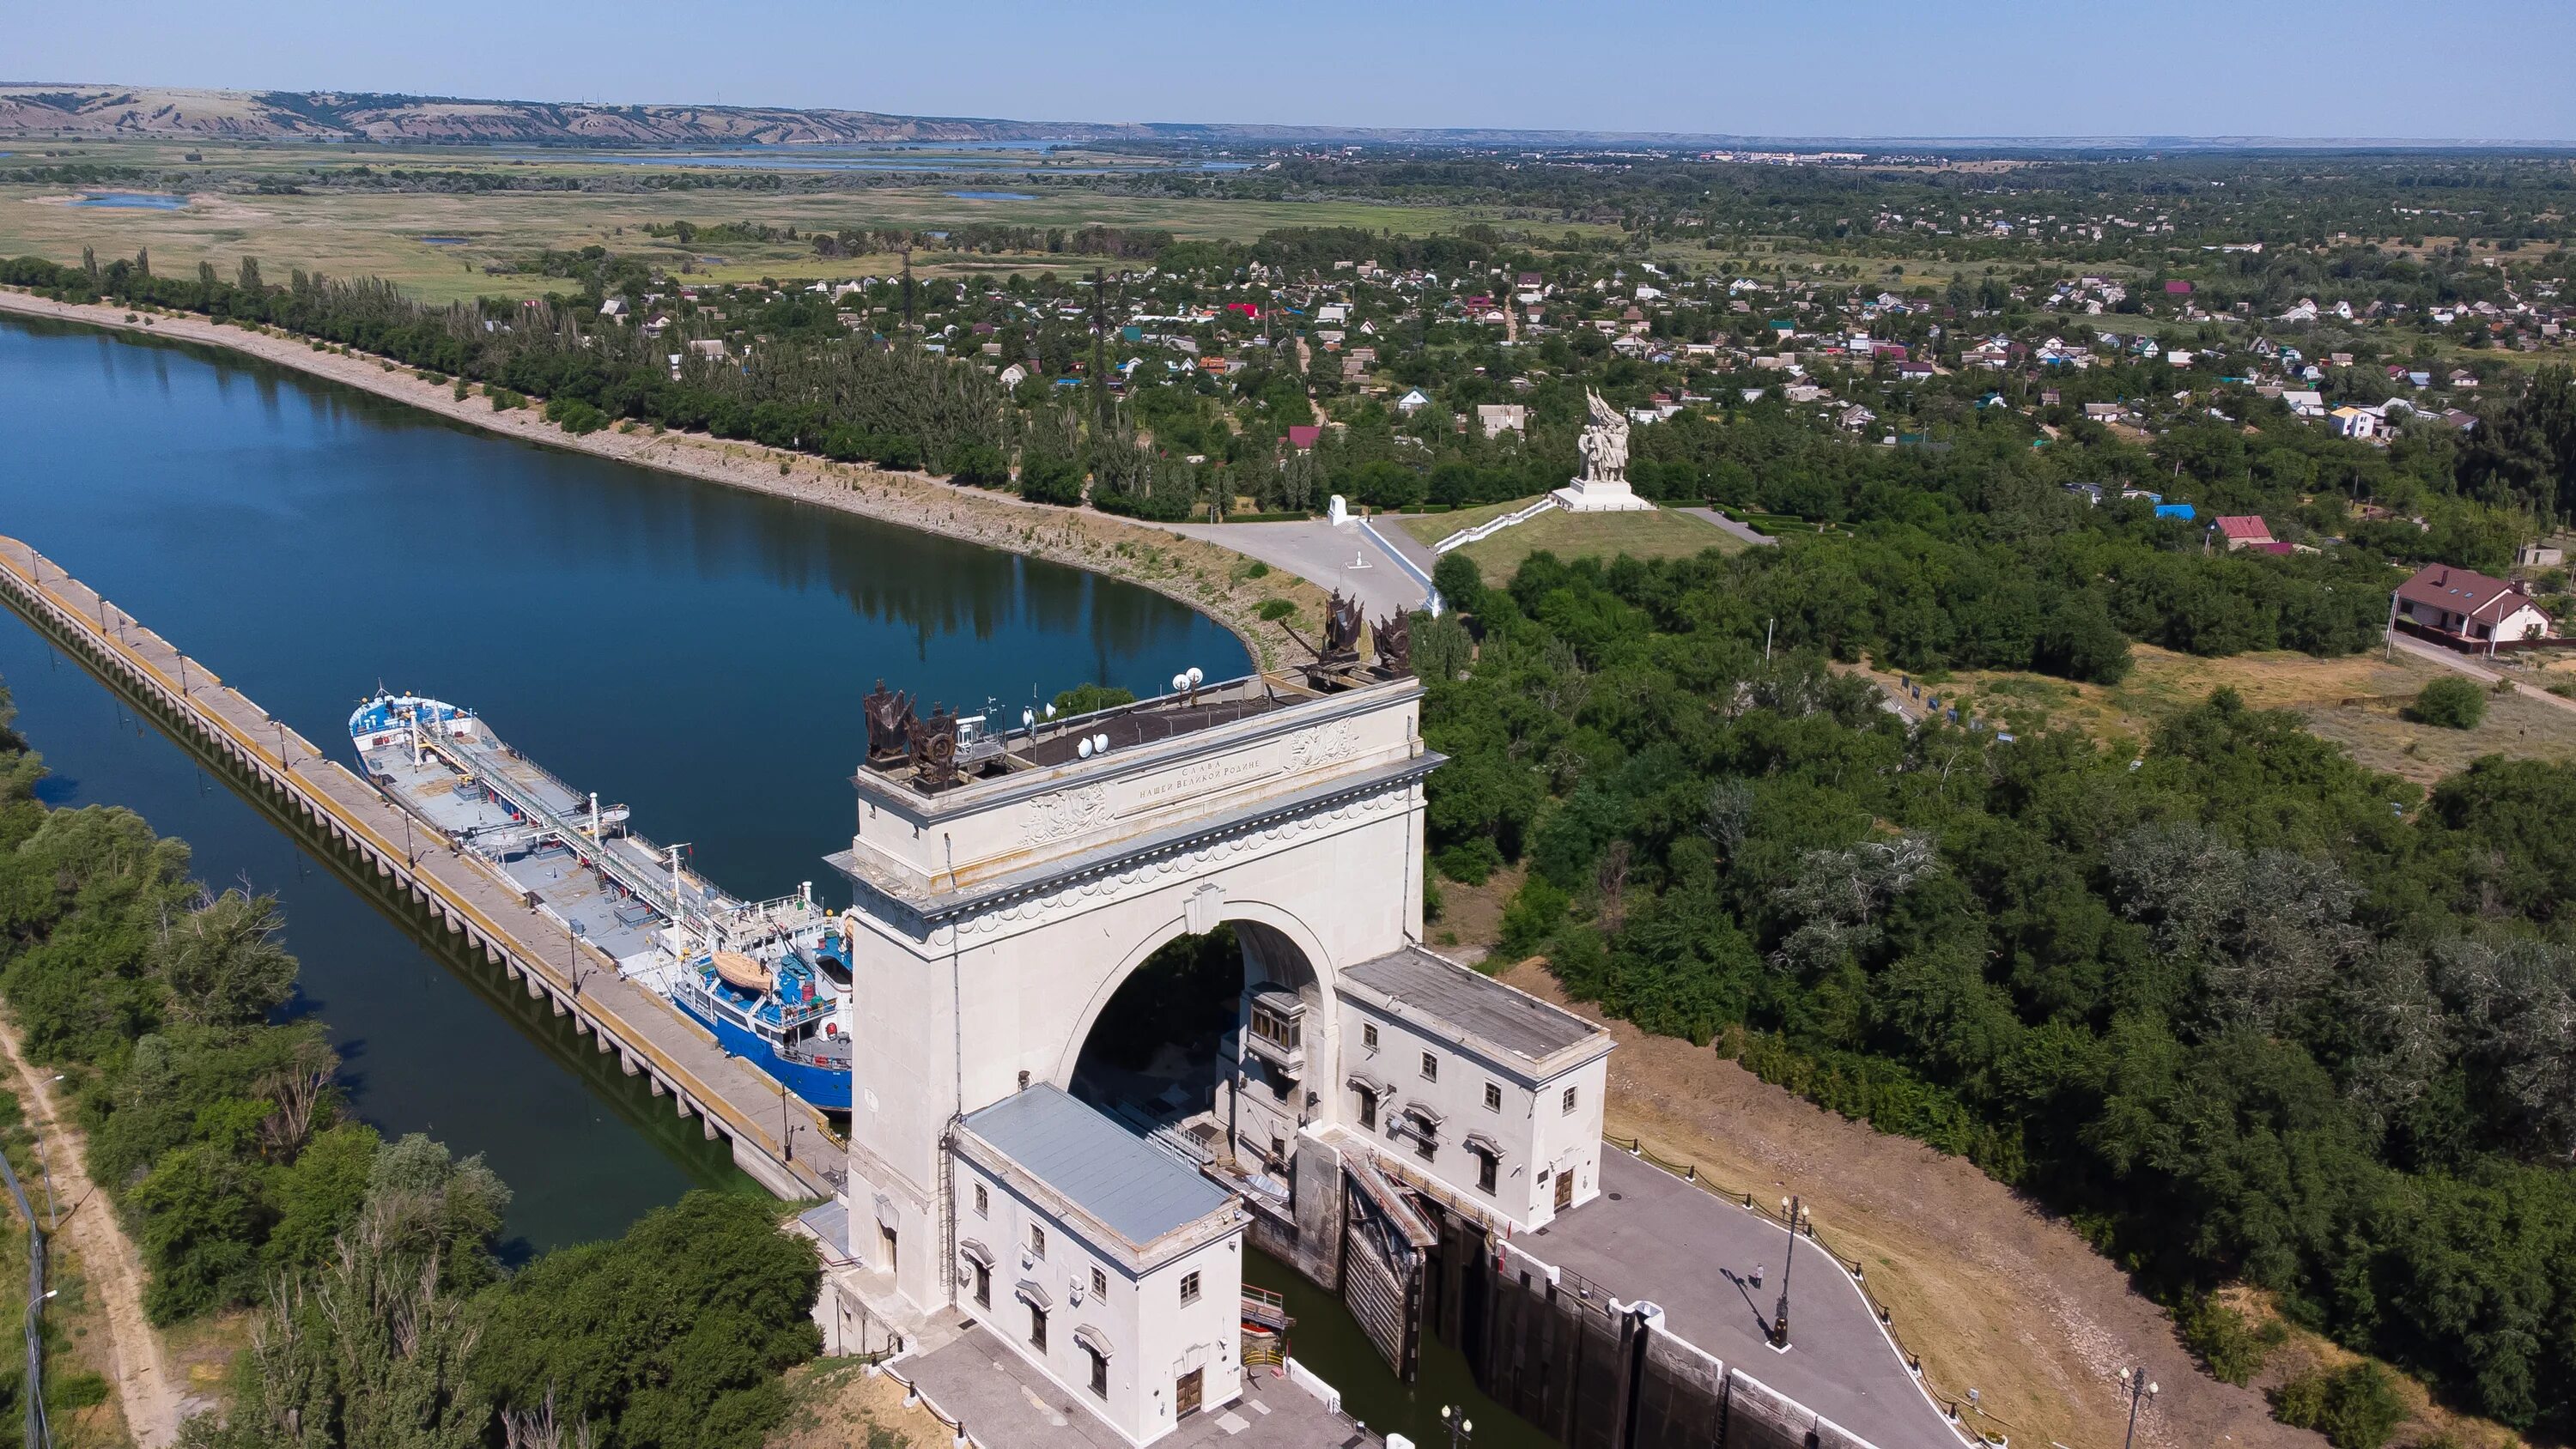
(769, 979)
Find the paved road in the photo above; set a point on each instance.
(1345, 558)
(1652, 1236)
(1742, 531)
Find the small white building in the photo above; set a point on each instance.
(1481, 1087)
(1100, 1259)
(2353, 422)
(1500, 418)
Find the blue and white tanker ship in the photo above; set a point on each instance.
(770, 979)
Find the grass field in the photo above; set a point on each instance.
(379, 233)
(2352, 701)
(1663, 533)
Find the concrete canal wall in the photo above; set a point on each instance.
(782, 1142)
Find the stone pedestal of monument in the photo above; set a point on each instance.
(1593, 495)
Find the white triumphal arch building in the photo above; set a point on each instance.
(1006, 885)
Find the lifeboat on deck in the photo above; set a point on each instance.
(740, 970)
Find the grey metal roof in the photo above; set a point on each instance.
(1478, 1005)
(1101, 1167)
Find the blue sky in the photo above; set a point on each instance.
(2481, 69)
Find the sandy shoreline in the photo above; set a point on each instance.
(1206, 576)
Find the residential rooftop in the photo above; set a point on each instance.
(1475, 1005)
(1131, 1187)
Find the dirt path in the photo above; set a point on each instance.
(1204, 575)
(2453, 659)
(1995, 1294)
(152, 1393)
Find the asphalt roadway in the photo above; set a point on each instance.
(1652, 1236)
(1349, 558)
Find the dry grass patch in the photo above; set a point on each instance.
(837, 1404)
(2352, 701)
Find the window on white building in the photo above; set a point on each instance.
(1569, 1099)
(1493, 1097)
(1189, 1288)
(1430, 1067)
(983, 1204)
(1099, 1282)
(1037, 1242)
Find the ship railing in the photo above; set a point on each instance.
(613, 863)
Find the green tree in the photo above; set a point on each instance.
(671, 1337)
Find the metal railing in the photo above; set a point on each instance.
(40, 1434)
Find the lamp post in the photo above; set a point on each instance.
(1793, 1208)
(1462, 1430)
(2140, 1389)
(786, 1130)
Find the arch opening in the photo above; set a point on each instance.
(1214, 1045)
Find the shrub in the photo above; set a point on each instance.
(2232, 1347)
(503, 399)
(1470, 862)
(1259, 570)
(1084, 698)
(1275, 610)
(577, 417)
(2451, 703)
(1534, 914)
(2355, 1407)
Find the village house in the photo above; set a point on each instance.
(2469, 608)
(2243, 530)
(1499, 418)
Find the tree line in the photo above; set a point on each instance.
(2244, 1008)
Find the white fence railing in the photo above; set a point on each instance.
(1492, 526)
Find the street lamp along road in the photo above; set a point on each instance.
(1462, 1430)
(2141, 1388)
(1793, 1209)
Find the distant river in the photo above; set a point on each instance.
(692, 651)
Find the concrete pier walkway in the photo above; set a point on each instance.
(780, 1140)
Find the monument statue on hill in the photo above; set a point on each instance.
(1603, 487)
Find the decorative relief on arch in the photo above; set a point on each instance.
(1065, 813)
(1323, 745)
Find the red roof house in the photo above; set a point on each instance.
(2243, 530)
(1302, 436)
(2467, 607)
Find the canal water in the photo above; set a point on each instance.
(695, 652)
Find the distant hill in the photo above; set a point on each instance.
(83, 110)
(29, 109)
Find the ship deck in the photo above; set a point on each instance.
(572, 892)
